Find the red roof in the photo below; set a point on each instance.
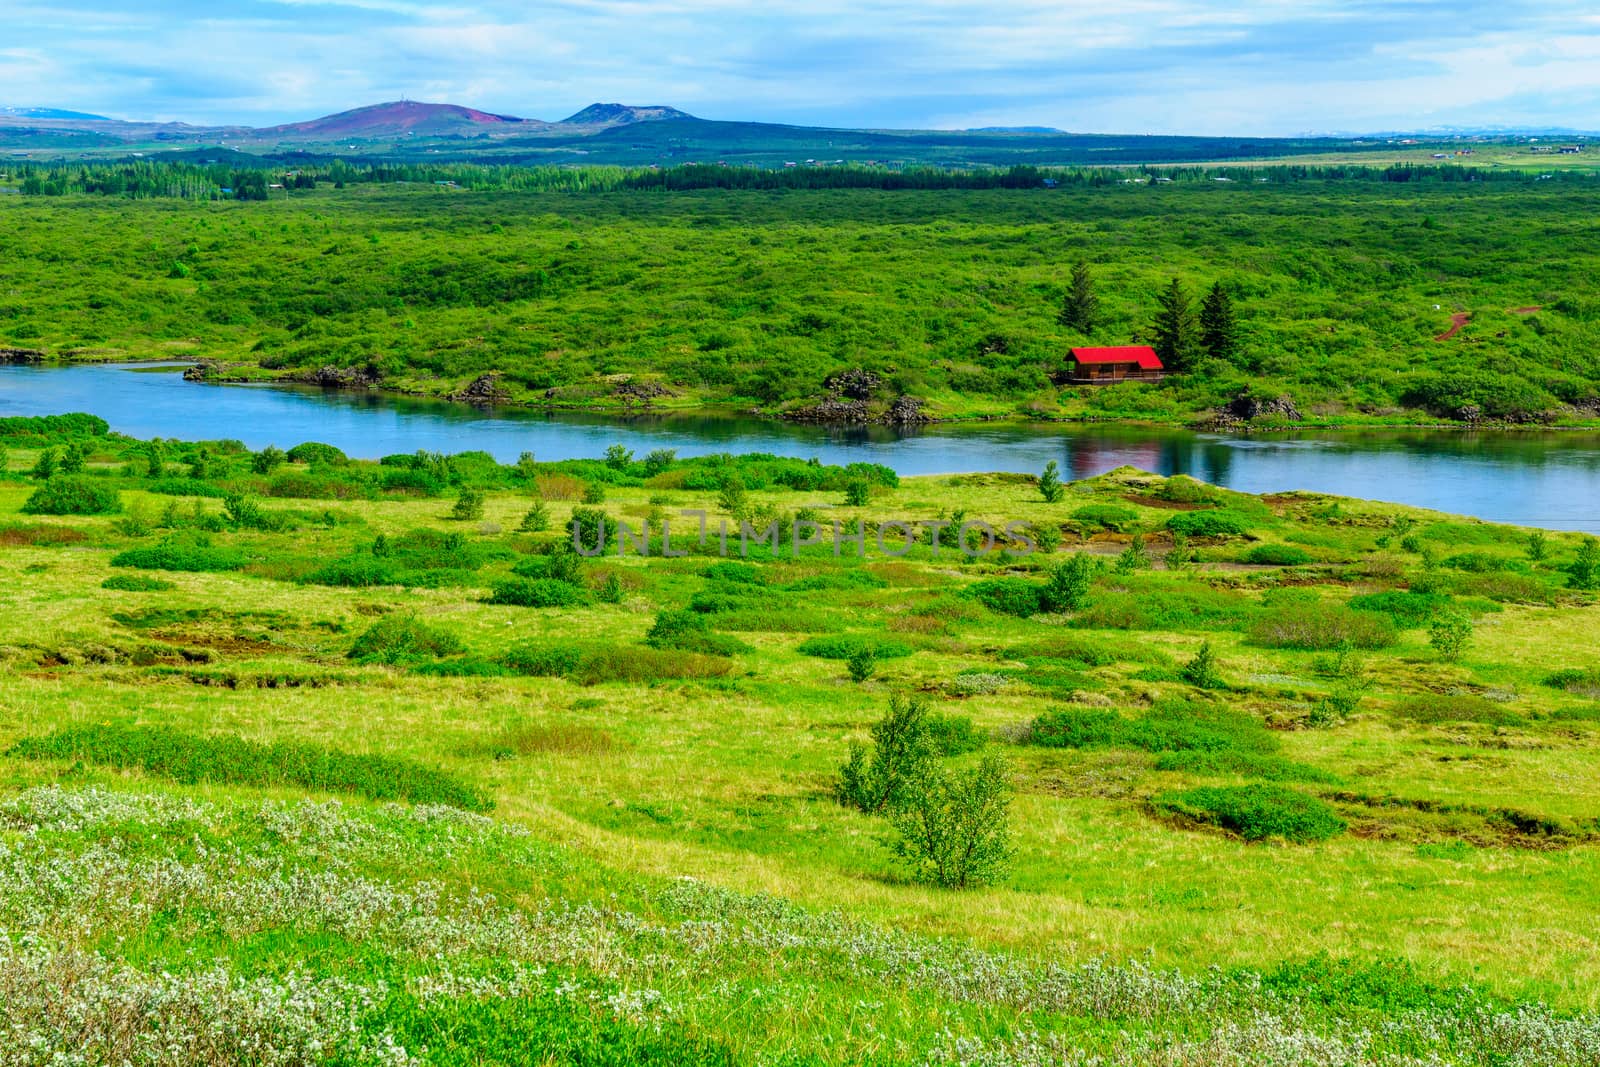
(1143, 355)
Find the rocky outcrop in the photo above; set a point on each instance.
(21, 356)
(906, 411)
(641, 392)
(484, 389)
(331, 377)
(854, 384)
(1247, 407)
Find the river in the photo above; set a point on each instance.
(1533, 478)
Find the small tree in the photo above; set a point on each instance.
(468, 505)
(1179, 555)
(527, 467)
(1201, 672)
(1585, 570)
(1219, 329)
(659, 460)
(1050, 483)
(1067, 588)
(594, 493)
(857, 492)
(618, 457)
(901, 755)
(731, 496)
(1135, 557)
(611, 589)
(155, 460)
(862, 664)
(537, 520)
(268, 460)
(955, 831)
(5, 460)
(1449, 633)
(243, 511)
(1177, 329)
(44, 468)
(72, 460)
(1538, 546)
(1081, 306)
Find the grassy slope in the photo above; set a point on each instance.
(753, 298)
(727, 780)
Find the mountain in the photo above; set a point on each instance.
(621, 115)
(401, 118)
(50, 113)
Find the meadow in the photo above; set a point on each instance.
(781, 299)
(316, 760)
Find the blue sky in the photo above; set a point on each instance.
(1136, 66)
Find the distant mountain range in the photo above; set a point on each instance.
(49, 113)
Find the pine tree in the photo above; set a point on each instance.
(1079, 308)
(1177, 329)
(1219, 330)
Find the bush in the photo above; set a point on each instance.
(883, 777)
(1320, 627)
(1449, 633)
(1277, 556)
(1255, 812)
(843, 646)
(618, 663)
(1007, 596)
(537, 519)
(1228, 762)
(955, 831)
(181, 553)
(1213, 523)
(537, 593)
(1460, 707)
(65, 494)
(1201, 672)
(690, 631)
(1584, 572)
(468, 505)
(862, 664)
(195, 758)
(737, 573)
(1169, 726)
(1067, 588)
(954, 735)
(978, 683)
(315, 453)
(399, 640)
(136, 583)
(1050, 488)
(1406, 607)
(1106, 516)
(543, 661)
(1582, 682)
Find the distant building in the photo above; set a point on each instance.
(1117, 363)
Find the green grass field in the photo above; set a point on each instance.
(755, 299)
(282, 785)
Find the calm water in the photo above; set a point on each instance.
(1534, 478)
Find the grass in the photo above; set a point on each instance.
(659, 810)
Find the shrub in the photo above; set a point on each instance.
(901, 755)
(857, 493)
(543, 661)
(1169, 726)
(1457, 707)
(537, 519)
(181, 553)
(690, 631)
(268, 460)
(1582, 682)
(536, 593)
(1255, 812)
(1277, 556)
(194, 758)
(591, 529)
(315, 453)
(1320, 627)
(1212, 523)
(955, 830)
(1050, 483)
(728, 570)
(1078, 728)
(1585, 569)
(953, 735)
(843, 646)
(1201, 672)
(1007, 596)
(862, 664)
(65, 494)
(1406, 607)
(1449, 633)
(978, 683)
(400, 640)
(1067, 588)
(136, 583)
(617, 663)
(468, 505)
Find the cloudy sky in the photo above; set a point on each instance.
(1172, 66)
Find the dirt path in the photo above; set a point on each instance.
(1529, 310)
(1458, 320)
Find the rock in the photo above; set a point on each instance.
(831, 410)
(906, 411)
(854, 384)
(331, 377)
(485, 389)
(641, 391)
(1247, 406)
(21, 356)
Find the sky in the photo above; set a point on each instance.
(1248, 67)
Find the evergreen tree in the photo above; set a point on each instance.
(1219, 330)
(1078, 310)
(1177, 329)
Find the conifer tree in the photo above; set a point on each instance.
(1080, 307)
(1219, 330)
(1177, 329)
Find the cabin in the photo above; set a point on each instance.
(1119, 363)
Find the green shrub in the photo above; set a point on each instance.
(1067, 588)
(1210, 523)
(181, 552)
(136, 583)
(643, 665)
(543, 661)
(953, 735)
(1166, 606)
(66, 494)
(1450, 632)
(954, 830)
(1584, 572)
(862, 664)
(1320, 627)
(1050, 488)
(1585, 682)
(537, 519)
(1078, 728)
(401, 640)
(689, 631)
(1168, 726)
(536, 593)
(1457, 707)
(1406, 607)
(195, 758)
(468, 505)
(884, 776)
(843, 646)
(734, 572)
(1202, 671)
(1277, 556)
(1007, 596)
(315, 453)
(1255, 812)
